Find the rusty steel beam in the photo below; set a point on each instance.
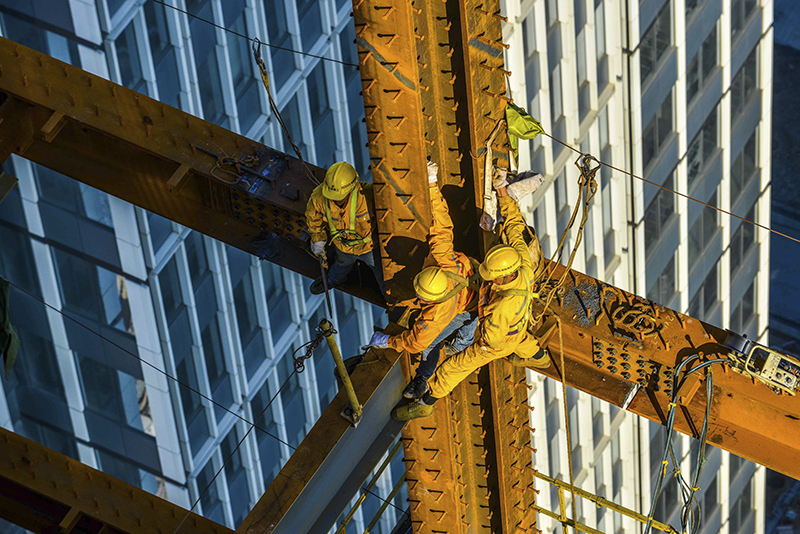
(152, 155)
(615, 341)
(41, 488)
(390, 77)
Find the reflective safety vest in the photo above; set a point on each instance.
(529, 295)
(349, 237)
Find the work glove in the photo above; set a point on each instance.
(433, 171)
(379, 340)
(318, 248)
(526, 183)
(499, 177)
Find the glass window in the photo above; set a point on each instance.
(600, 46)
(210, 501)
(292, 118)
(745, 310)
(196, 256)
(242, 74)
(551, 12)
(16, 259)
(36, 366)
(53, 44)
(702, 148)
(663, 290)
(744, 168)
(742, 241)
(702, 65)
(280, 312)
(655, 42)
(657, 131)
(92, 291)
(73, 196)
(164, 59)
(236, 477)
(269, 449)
(741, 509)
(322, 116)
(292, 398)
(658, 214)
(204, 44)
(310, 22)
(130, 66)
(160, 230)
(706, 296)
(740, 12)
(691, 8)
(279, 36)
(171, 294)
(702, 231)
(324, 366)
(744, 85)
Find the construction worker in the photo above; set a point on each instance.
(447, 290)
(504, 311)
(337, 211)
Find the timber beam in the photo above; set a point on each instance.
(42, 489)
(158, 157)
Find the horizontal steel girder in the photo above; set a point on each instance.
(610, 334)
(40, 487)
(145, 152)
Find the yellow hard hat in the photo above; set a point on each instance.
(501, 260)
(340, 179)
(431, 284)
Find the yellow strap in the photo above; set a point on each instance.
(672, 404)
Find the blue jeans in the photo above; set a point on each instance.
(344, 264)
(464, 325)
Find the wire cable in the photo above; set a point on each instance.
(684, 195)
(167, 375)
(251, 40)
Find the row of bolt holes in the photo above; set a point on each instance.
(261, 207)
(597, 356)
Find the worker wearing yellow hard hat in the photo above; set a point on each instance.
(504, 311)
(447, 290)
(337, 213)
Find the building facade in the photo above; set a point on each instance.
(151, 322)
(677, 92)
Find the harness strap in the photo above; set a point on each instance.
(346, 236)
(461, 283)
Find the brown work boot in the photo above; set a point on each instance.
(540, 360)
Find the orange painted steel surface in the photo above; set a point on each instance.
(40, 487)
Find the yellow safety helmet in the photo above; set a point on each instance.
(501, 260)
(340, 179)
(431, 284)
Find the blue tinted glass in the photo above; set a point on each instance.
(280, 313)
(291, 116)
(204, 47)
(269, 449)
(310, 22)
(167, 79)
(16, 259)
(130, 67)
(292, 398)
(170, 285)
(160, 229)
(212, 506)
(323, 366)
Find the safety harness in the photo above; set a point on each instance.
(528, 294)
(349, 237)
(473, 282)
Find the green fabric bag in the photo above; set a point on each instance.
(9, 341)
(520, 126)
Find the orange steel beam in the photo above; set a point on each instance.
(615, 341)
(41, 488)
(145, 152)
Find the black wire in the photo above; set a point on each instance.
(126, 351)
(252, 426)
(251, 40)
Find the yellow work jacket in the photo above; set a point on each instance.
(353, 237)
(436, 316)
(504, 316)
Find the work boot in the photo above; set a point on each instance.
(317, 287)
(412, 410)
(540, 360)
(416, 389)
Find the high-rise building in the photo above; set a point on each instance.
(678, 92)
(213, 317)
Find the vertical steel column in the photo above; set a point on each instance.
(385, 34)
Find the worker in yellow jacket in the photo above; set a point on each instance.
(504, 312)
(337, 212)
(447, 290)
